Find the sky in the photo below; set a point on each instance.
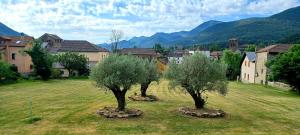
(93, 20)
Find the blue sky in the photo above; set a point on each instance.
(93, 20)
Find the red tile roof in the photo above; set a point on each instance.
(216, 53)
(139, 51)
(17, 41)
(77, 46)
(277, 48)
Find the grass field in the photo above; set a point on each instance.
(69, 106)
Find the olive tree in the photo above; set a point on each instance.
(150, 74)
(118, 73)
(197, 74)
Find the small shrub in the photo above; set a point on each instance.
(56, 74)
(7, 73)
(32, 119)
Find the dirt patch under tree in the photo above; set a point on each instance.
(202, 113)
(111, 112)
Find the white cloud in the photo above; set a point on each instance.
(93, 20)
(271, 6)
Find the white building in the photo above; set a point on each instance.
(206, 53)
(248, 67)
(177, 56)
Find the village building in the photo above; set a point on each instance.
(216, 55)
(140, 52)
(233, 44)
(56, 45)
(177, 56)
(264, 55)
(248, 67)
(206, 53)
(12, 51)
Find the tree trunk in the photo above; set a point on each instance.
(199, 102)
(120, 96)
(121, 102)
(70, 73)
(144, 87)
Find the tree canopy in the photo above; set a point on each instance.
(41, 59)
(7, 73)
(250, 48)
(197, 74)
(286, 67)
(232, 60)
(73, 62)
(118, 73)
(160, 49)
(150, 74)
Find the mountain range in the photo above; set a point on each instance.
(6, 31)
(264, 30)
(252, 30)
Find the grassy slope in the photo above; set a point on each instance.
(69, 106)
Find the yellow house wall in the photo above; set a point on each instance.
(95, 56)
(22, 60)
(261, 69)
(247, 70)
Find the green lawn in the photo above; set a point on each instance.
(69, 106)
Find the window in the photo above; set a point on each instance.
(13, 56)
(31, 66)
(244, 75)
(262, 71)
(248, 77)
(245, 63)
(248, 63)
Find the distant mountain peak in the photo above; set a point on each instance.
(6, 31)
(292, 14)
(204, 26)
(248, 31)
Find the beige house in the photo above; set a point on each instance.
(12, 51)
(264, 55)
(57, 45)
(248, 67)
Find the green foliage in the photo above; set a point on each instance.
(56, 74)
(160, 49)
(118, 73)
(120, 70)
(232, 60)
(7, 73)
(150, 74)
(215, 47)
(286, 67)
(150, 71)
(198, 74)
(41, 60)
(74, 62)
(32, 119)
(293, 39)
(250, 48)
